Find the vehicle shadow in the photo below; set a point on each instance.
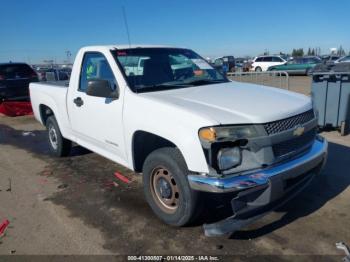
(33, 141)
(332, 181)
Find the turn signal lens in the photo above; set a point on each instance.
(221, 133)
(207, 134)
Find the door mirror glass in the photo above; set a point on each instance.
(101, 88)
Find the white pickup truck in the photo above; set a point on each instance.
(187, 129)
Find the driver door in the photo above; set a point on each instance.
(97, 121)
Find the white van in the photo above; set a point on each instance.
(262, 63)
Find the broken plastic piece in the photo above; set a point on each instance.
(122, 178)
(28, 133)
(3, 227)
(345, 248)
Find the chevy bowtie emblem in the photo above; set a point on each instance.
(299, 131)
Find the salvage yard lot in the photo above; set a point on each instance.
(72, 205)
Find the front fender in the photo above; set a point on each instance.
(188, 144)
(171, 123)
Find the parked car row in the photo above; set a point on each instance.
(294, 66)
(54, 74)
(15, 79)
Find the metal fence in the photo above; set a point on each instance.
(278, 79)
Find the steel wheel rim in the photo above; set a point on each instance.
(164, 190)
(53, 137)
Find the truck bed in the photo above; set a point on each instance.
(53, 95)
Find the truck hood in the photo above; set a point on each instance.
(235, 102)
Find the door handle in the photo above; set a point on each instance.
(78, 101)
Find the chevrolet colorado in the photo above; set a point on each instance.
(166, 113)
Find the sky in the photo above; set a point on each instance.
(37, 30)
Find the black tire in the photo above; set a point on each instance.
(272, 73)
(188, 204)
(258, 69)
(59, 146)
(307, 72)
(343, 128)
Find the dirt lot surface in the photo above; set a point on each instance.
(71, 206)
(301, 84)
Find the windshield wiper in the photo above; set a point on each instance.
(159, 87)
(166, 86)
(205, 81)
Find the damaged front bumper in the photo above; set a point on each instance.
(261, 191)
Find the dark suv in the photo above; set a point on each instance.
(226, 61)
(14, 81)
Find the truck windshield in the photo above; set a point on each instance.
(155, 69)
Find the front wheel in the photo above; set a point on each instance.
(258, 69)
(167, 189)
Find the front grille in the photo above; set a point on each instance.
(295, 144)
(288, 123)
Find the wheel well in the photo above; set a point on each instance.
(45, 112)
(145, 143)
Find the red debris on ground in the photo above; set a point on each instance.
(16, 108)
(122, 178)
(109, 184)
(3, 227)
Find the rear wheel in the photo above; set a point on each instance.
(59, 146)
(167, 189)
(343, 128)
(308, 72)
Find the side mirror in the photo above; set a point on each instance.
(101, 88)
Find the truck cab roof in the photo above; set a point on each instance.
(111, 47)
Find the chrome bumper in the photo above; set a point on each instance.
(293, 168)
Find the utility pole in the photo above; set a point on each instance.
(68, 54)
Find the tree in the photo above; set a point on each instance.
(309, 51)
(298, 52)
(341, 51)
(266, 52)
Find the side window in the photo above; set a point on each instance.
(95, 66)
(259, 59)
(267, 59)
(133, 65)
(218, 62)
(345, 59)
(276, 59)
(307, 61)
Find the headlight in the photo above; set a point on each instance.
(229, 158)
(212, 134)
